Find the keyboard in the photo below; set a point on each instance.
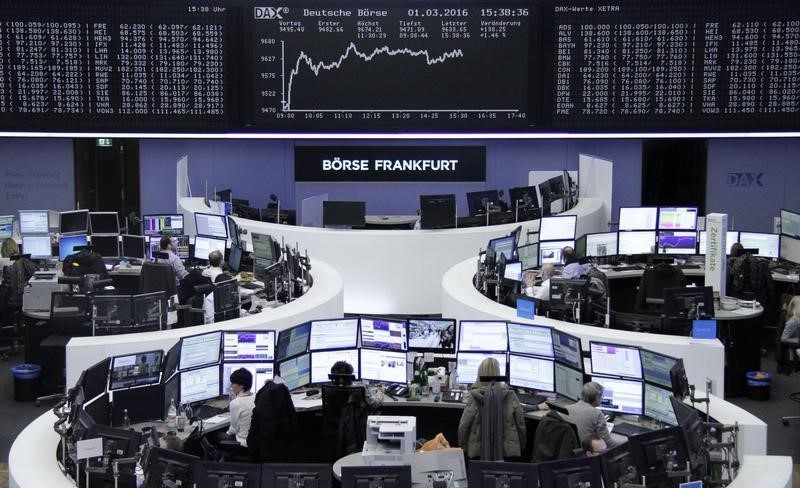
(628, 429)
(688, 266)
(627, 268)
(250, 286)
(207, 411)
(527, 399)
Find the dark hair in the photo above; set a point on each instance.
(215, 258)
(568, 254)
(342, 367)
(223, 277)
(165, 242)
(737, 250)
(173, 442)
(242, 377)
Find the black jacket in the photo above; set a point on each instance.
(273, 429)
(554, 439)
(352, 425)
(85, 262)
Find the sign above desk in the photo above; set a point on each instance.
(390, 163)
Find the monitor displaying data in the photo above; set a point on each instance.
(528, 255)
(638, 218)
(616, 360)
(568, 381)
(513, 271)
(262, 371)
(198, 385)
(158, 225)
(6, 226)
(657, 405)
(637, 242)
(536, 340)
(567, 349)
(104, 222)
(731, 237)
(248, 345)
(503, 245)
(790, 249)
(436, 335)
(74, 222)
(384, 366)
(143, 368)
(482, 336)
(767, 245)
(531, 373)
(550, 251)
(292, 342)
(296, 371)
(37, 246)
(333, 334)
(204, 245)
(200, 350)
(677, 242)
(211, 225)
(790, 223)
(133, 247)
(655, 367)
(467, 365)
(383, 333)
(33, 222)
(600, 245)
(67, 245)
(106, 246)
(321, 362)
(622, 396)
(263, 250)
(558, 228)
(677, 218)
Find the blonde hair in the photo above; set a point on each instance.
(793, 309)
(488, 367)
(10, 248)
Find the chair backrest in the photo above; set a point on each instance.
(334, 398)
(157, 277)
(653, 282)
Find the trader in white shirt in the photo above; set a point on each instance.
(215, 265)
(242, 405)
(542, 292)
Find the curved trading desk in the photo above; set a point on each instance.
(394, 271)
(323, 300)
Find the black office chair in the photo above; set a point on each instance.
(794, 348)
(555, 439)
(191, 295)
(650, 297)
(157, 277)
(334, 400)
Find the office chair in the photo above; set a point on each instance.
(11, 333)
(651, 287)
(334, 400)
(157, 277)
(191, 295)
(555, 439)
(795, 396)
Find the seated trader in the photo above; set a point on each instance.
(168, 246)
(593, 446)
(8, 249)
(542, 292)
(503, 411)
(15, 278)
(791, 331)
(572, 268)
(587, 417)
(241, 407)
(215, 263)
(374, 400)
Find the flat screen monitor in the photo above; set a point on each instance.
(296, 371)
(333, 334)
(790, 249)
(531, 373)
(6, 226)
(113, 312)
(567, 349)
(689, 302)
(490, 474)
(143, 368)
(106, 246)
(482, 335)
(292, 342)
(74, 222)
(96, 378)
(383, 366)
(260, 370)
(437, 211)
(104, 222)
(467, 365)
(677, 242)
(306, 475)
(235, 258)
(161, 224)
(621, 396)
(211, 225)
(657, 404)
(375, 476)
(250, 345)
(616, 360)
(550, 252)
(651, 445)
(768, 245)
(133, 247)
(321, 362)
(37, 246)
(33, 222)
(523, 197)
(559, 228)
(263, 250)
(601, 245)
(656, 367)
(637, 242)
(67, 245)
(536, 340)
(638, 218)
(477, 201)
(150, 309)
(200, 350)
(204, 245)
(677, 218)
(568, 381)
(170, 363)
(790, 223)
(165, 467)
(199, 385)
(344, 214)
(215, 474)
(528, 255)
(513, 271)
(383, 333)
(731, 237)
(618, 465)
(503, 245)
(432, 335)
(570, 473)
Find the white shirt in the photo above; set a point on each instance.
(212, 272)
(208, 309)
(177, 266)
(542, 292)
(241, 415)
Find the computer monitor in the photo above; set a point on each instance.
(768, 245)
(482, 335)
(652, 446)
(384, 366)
(523, 197)
(74, 222)
(568, 381)
(200, 350)
(601, 245)
(437, 211)
(250, 345)
(235, 258)
(170, 363)
(37, 246)
(293, 341)
(477, 201)
(636, 242)
(503, 245)
(104, 223)
(117, 443)
(234, 231)
(689, 302)
(33, 222)
(333, 334)
(550, 251)
(567, 349)
(215, 474)
(513, 271)
(376, 476)
(383, 333)
(150, 310)
(182, 246)
(693, 435)
(6, 226)
(531, 373)
(160, 224)
(296, 371)
(345, 214)
(677, 218)
(143, 368)
(305, 475)
(467, 365)
(133, 247)
(262, 371)
(559, 228)
(678, 380)
(657, 405)
(621, 396)
(528, 255)
(204, 245)
(263, 250)
(113, 314)
(211, 225)
(321, 362)
(616, 360)
(570, 473)
(790, 249)
(199, 385)
(656, 367)
(731, 237)
(536, 340)
(677, 242)
(165, 467)
(67, 245)
(106, 246)
(488, 474)
(620, 466)
(638, 218)
(432, 335)
(790, 223)
(96, 378)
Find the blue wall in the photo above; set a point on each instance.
(36, 174)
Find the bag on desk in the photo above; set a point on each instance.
(437, 443)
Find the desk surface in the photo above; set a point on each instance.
(391, 219)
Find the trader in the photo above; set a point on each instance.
(168, 246)
(587, 417)
(215, 265)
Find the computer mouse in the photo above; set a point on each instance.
(437, 398)
(312, 392)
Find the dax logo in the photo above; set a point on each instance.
(745, 179)
(270, 13)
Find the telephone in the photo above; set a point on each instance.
(397, 390)
(452, 396)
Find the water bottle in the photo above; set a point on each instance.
(126, 420)
(181, 418)
(189, 413)
(172, 415)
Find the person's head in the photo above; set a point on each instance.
(547, 271)
(215, 258)
(793, 309)
(593, 446)
(166, 243)
(568, 255)
(9, 248)
(342, 368)
(241, 380)
(592, 393)
(171, 442)
(737, 250)
(488, 367)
